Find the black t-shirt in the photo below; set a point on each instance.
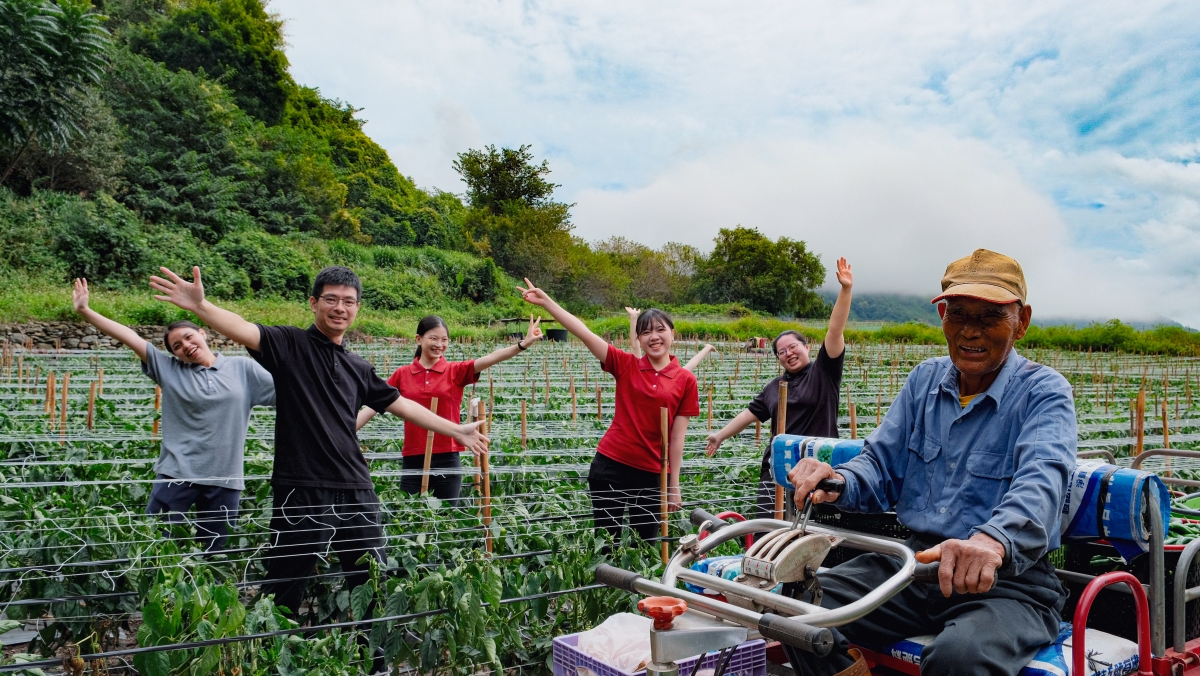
(319, 389)
(812, 398)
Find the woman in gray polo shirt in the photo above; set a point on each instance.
(206, 402)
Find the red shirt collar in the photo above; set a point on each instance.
(439, 367)
(671, 369)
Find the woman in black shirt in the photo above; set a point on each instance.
(812, 394)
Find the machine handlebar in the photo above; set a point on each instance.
(816, 640)
(617, 577)
(831, 485)
(927, 572)
(700, 515)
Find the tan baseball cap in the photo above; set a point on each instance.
(985, 275)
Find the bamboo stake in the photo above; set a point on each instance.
(1141, 422)
(853, 422)
(523, 425)
(91, 405)
(710, 407)
(757, 431)
(780, 428)
(157, 406)
(100, 380)
(599, 404)
(65, 384)
(485, 472)
(573, 400)
(547, 388)
(433, 403)
(662, 480)
(879, 409)
(48, 404)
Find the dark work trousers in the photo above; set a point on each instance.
(997, 632)
(306, 523)
(616, 487)
(443, 486)
(216, 508)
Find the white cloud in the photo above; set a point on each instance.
(904, 133)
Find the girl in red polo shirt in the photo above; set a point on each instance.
(428, 376)
(625, 472)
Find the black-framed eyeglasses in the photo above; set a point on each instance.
(986, 320)
(334, 301)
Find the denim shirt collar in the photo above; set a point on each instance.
(996, 389)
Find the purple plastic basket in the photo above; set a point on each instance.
(749, 659)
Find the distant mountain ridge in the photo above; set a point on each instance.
(900, 308)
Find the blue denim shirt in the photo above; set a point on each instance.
(1000, 466)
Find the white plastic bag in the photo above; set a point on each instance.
(621, 641)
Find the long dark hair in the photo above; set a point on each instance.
(426, 325)
(181, 324)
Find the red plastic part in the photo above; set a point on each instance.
(662, 609)
(1079, 624)
(736, 517)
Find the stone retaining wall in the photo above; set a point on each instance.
(84, 336)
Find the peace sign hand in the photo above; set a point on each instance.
(534, 295)
(535, 332)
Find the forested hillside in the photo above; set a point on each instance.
(178, 137)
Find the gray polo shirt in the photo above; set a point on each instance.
(205, 413)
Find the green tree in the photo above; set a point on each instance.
(496, 178)
(235, 42)
(50, 55)
(777, 277)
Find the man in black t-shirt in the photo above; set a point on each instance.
(812, 390)
(323, 494)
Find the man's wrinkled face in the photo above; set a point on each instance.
(980, 334)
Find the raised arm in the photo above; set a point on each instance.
(634, 346)
(505, 353)
(740, 422)
(699, 357)
(835, 338)
(190, 297)
(570, 322)
(108, 327)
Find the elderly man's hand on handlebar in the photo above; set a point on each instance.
(806, 475)
(968, 566)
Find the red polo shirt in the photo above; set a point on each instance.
(445, 381)
(635, 436)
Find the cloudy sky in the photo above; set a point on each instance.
(900, 135)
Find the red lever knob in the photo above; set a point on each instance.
(662, 609)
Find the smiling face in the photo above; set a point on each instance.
(189, 345)
(792, 353)
(434, 343)
(335, 310)
(980, 334)
(656, 340)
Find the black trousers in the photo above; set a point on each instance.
(615, 488)
(216, 508)
(306, 523)
(443, 486)
(997, 632)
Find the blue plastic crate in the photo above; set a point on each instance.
(749, 659)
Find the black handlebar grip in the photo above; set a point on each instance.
(831, 485)
(816, 640)
(700, 515)
(616, 577)
(927, 572)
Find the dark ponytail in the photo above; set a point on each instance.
(426, 325)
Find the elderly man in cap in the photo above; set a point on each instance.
(973, 456)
